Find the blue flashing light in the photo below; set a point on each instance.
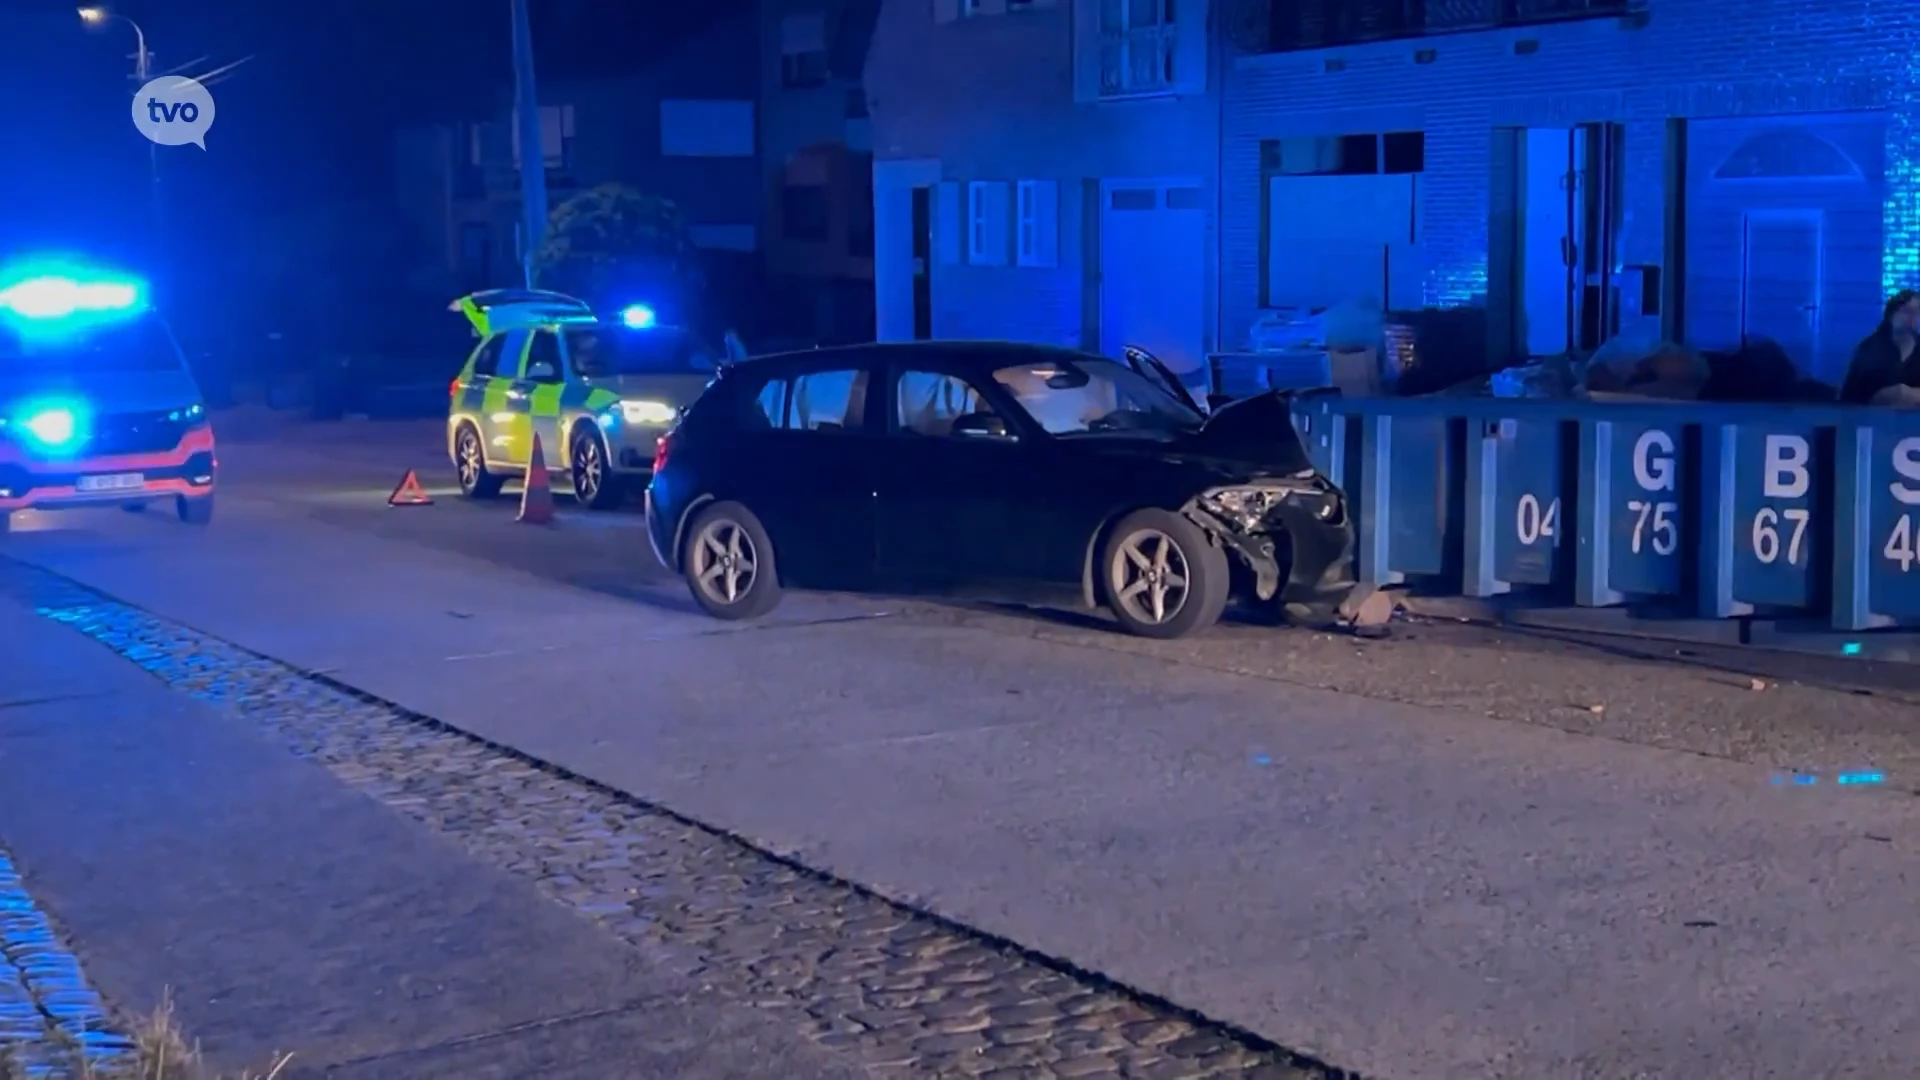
(51, 427)
(59, 297)
(638, 317)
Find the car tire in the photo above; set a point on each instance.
(723, 531)
(1154, 555)
(470, 465)
(588, 463)
(195, 510)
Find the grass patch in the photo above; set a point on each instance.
(160, 1052)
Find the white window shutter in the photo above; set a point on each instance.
(949, 222)
(1046, 223)
(999, 214)
(1036, 223)
(1086, 50)
(946, 11)
(1190, 47)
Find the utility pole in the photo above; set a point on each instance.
(533, 158)
(142, 72)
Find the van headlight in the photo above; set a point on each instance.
(647, 412)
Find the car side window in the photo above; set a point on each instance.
(543, 358)
(828, 401)
(486, 359)
(927, 403)
(768, 408)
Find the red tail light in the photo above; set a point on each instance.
(453, 389)
(660, 452)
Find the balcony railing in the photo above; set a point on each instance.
(1319, 24)
(1137, 61)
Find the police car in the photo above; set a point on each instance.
(97, 406)
(598, 394)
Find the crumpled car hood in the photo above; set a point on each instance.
(1257, 432)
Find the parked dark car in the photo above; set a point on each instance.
(1020, 472)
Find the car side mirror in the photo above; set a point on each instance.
(542, 372)
(981, 426)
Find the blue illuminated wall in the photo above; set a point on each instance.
(1691, 59)
(994, 98)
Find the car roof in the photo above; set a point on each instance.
(980, 356)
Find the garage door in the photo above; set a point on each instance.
(1783, 234)
(1153, 270)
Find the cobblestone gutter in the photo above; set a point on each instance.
(50, 1020)
(900, 991)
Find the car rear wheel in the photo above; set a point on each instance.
(728, 563)
(194, 511)
(1162, 577)
(594, 484)
(470, 463)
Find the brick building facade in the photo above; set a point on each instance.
(1738, 168)
(1711, 171)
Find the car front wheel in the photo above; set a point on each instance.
(728, 563)
(1162, 577)
(594, 484)
(470, 463)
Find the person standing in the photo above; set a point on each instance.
(1885, 370)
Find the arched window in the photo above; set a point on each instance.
(1787, 153)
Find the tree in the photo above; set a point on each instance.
(612, 245)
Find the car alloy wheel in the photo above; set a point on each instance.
(1150, 577)
(467, 455)
(723, 562)
(593, 483)
(588, 471)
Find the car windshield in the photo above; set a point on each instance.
(608, 350)
(116, 346)
(1094, 396)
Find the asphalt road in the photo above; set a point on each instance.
(1455, 852)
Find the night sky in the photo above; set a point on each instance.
(307, 121)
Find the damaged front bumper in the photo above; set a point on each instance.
(1314, 580)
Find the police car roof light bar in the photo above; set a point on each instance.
(59, 297)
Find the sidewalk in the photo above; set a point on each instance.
(179, 848)
(1408, 891)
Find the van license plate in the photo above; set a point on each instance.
(111, 482)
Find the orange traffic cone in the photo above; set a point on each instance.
(536, 498)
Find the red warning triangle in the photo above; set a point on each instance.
(410, 493)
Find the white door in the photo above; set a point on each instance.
(893, 244)
(1548, 177)
(1780, 281)
(1153, 271)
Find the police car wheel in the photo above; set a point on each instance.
(470, 463)
(729, 564)
(194, 511)
(594, 484)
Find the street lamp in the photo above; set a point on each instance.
(142, 67)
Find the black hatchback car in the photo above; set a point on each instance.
(1019, 472)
